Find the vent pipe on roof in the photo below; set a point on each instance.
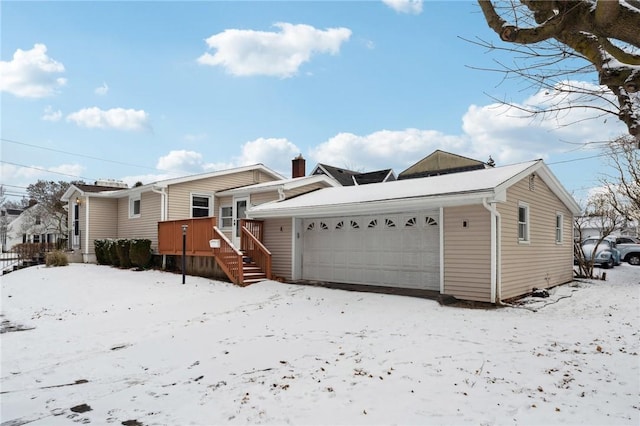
(298, 167)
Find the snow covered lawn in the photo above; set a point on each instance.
(95, 344)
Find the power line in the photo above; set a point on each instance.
(45, 170)
(83, 155)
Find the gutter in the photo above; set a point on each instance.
(496, 251)
(163, 214)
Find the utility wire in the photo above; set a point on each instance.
(44, 170)
(83, 155)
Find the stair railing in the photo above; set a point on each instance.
(228, 257)
(253, 248)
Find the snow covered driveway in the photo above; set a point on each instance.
(93, 344)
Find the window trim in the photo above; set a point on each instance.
(526, 239)
(230, 217)
(560, 228)
(209, 197)
(132, 201)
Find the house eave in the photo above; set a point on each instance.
(378, 206)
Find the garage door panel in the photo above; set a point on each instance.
(390, 250)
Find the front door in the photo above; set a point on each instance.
(75, 239)
(239, 212)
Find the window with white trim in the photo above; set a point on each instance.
(523, 222)
(226, 216)
(559, 221)
(134, 206)
(200, 205)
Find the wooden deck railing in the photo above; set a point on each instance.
(253, 248)
(255, 227)
(228, 258)
(199, 232)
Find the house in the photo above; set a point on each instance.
(350, 178)
(201, 202)
(440, 163)
(7, 215)
(486, 234)
(35, 225)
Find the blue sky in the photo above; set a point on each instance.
(141, 91)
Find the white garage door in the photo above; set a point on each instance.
(401, 250)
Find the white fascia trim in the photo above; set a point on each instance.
(374, 207)
(262, 167)
(278, 185)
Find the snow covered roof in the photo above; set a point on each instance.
(451, 189)
(285, 184)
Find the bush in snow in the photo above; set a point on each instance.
(56, 258)
(102, 255)
(122, 250)
(140, 252)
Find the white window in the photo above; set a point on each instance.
(523, 222)
(559, 221)
(134, 206)
(226, 216)
(200, 205)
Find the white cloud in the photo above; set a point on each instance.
(280, 54)
(51, 115)
(181, 161)
(413, 7)
(102, 90)
(31, 73)
(194, 137)
(115, 118)
(24, 176)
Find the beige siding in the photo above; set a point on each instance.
(263, 197)
(103, 221)
(180, 194)
(145, 226)
(542, 262)
(277, 238)
(467, 253)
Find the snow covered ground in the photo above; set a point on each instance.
(95, 344)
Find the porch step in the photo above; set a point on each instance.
(252, 273)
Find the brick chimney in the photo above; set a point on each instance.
(298, 167)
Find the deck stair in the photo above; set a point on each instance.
(251, 272)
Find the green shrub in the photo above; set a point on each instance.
(140, 252)
(122, 250)
(112, 251)
(56, 258)
(102, 255)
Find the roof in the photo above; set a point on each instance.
(114, 192)
(285, 184)
(430, 192)
(350, 178)
(441, 162)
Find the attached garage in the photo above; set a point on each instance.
(394, 250)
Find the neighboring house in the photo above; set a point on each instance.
(441, 163)
(6, 217)
(488, 234)
(350, 178)
(593, 227)
(34, 225)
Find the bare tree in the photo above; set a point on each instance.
(599, 214)
(623, 187)
(552, 40)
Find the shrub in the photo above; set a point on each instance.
(140, 252)
(102, 254)
(113, 252)
(56, 258)
(122, 250)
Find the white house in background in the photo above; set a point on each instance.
(6, 217)
(34, 225)
(593, 227)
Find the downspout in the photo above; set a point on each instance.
(163, 215)
(86, 227)
(496, 251)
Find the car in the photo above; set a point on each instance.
(629, 248)
(605, 253)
